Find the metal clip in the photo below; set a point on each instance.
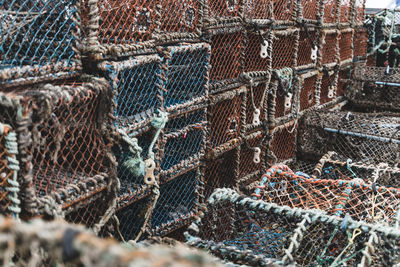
(256, 117)
(257, 153)
(149, 178)
(264, 49)
(331, 92)
(314, 51)
(288, 101)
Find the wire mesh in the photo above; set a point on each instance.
(283, 49)
(184, 142)
(258, 9)
(307, 91)
(285, 11)
(343, 81)
(366, 138)
(360, 42)
(345, 11)
(330, 47)
(330, 15)
(283, 143)
(222, 11)
(256, 100)
(187, 75)
(136, 84)
(327, 90)
(281, 103)
(252, 155)
(306, 42)
(310, 10)
(38, 40)
(253, 60)
(345, 45)
(5, 174)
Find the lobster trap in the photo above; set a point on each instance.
(283, 143)
(308, 90)
(329, 48)
(187, 75)
(226, 53)
(184, 141)
(285, 12)
(257, 233)
(257, 50)
(64, 153)
(307, 53)
(284, 48)
(226, 115)
(222, 12)
(137, 87)
(175, 206)
(343, 81)
(346, 46)
(331, 12)
(360, 42)
(309, 10)
(359, 12)
(345, 12)
(39, 41)
(259, 11)
(328, 82)
(346, 196)
(365, 138)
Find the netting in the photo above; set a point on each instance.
(328, 86)
(257, 57)
(38, 40)
(360, 42)
(256, 106)
(367, 138)
(310, 10)
(136, 85)
(308, 40)
(343, 81)
(252, 156)
(308, 85)
(284, 11)
(251, 232)
(330, 46)
(283, 143)
(258, 10)
(345, 45)
(187, 75)
(331, 11)
(283, 48)
(224, 10)
(359, 7)
(6, 172)
(345, 11)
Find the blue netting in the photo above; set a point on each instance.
(36, 32)
(186, 75)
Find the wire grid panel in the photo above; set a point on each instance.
(225, 119)
(255, 108)
(343, 81)
(258, 10)
(284, 48)
(283, 143)
(359, 7)
(136, 85)
(330, 47)
(331, 12)
(360, 42)
(309, 10)
(187, 75)
(39, 40)
(180, 20)
(328, 86)
(285, 12)
(366, 138)
(6, 173)
(220, 11)
(220, 172)
(184, 137)
(226, 52)
(252, 155)
(308, 86)
(254, 57)
(306, 43)
(120, 26)
(252, 232)
(346, 45)
(345, 11)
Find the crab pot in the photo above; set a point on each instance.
(223, 11)
(225, 116)
(39, 41)
(304, 54)
(226, 52)
(284, 48)
(359, 11)
(180, 20)
(345, 45)
(308, 86)
(360, 42)
(330, 12)
(220, 172)
(330, 47)
(184, 142)
(283, 142)
(345, 11)
(257, 56)
(136, 85)
(123, 27)
(285, 12)
(309, 10)
(63, 156)
(368, 138)
(187, 75)
(328, 86)
(6, 171)
(343, 81)
(175, 207)
(252, 157)
(258, 10)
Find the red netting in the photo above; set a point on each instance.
(310, 9)
(279, 102)
(284, 10)
(5, 174)
(255, 95)
(307, 92)
(253, 60)
(345, 45)
(345, 11)
(283, 143)
(226, 51)
(220, 172)
(224, 8)
(258, 9)
(344, 76)
(329, 48)
(283, 47)
(305, 46)
(126, 21)
(225, 121)
(360, 11)
(330, 11)
(248, 152)
(360, 42)
(326, 84)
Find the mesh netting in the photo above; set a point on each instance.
(5, 173)
(187, 75)
(253, 60)
(329, 47)
(359, 6)
(255, 107)
(283, 49)
(252, 156)
(345, 45)
(258, 9)
(284, 11)
(330, 11)
(310, 9)
(367, 138)
(136, 84)
(345, 11)
(224, 9)
(38, 38)
(306, 42)
(327, 90)
(184, 142)
(281, 103)
(360, 41)
(307, 91)
(343, 81)
(283, 143)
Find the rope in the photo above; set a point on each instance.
(356, 232)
